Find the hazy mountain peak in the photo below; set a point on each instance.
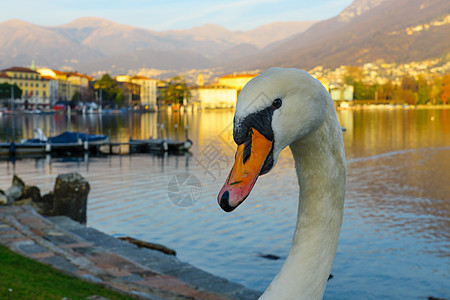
(357, 8)
(16, 22)
(89, 22)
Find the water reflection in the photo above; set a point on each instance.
(395, 241)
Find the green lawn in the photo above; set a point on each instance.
(23, 278)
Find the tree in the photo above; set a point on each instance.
(435, 91)
(409, 83)
(445, 89)
(423, 91)
(5, 91)
(175, 91)
(386, 91)
(408, 96)
(363, 91)
(76, 99)
(107, 89)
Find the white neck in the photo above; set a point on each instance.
(321, 171)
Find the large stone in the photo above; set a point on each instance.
(3, 198)
(70, 197)
(16, 189)
(31, 192)
(45, 205)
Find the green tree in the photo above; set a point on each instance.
(107, 89)
(5, 91)
(363, 91)
(423, 91)
(76, 99)
(175, 91)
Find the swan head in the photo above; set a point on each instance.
(273, 110)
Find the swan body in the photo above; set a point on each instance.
(287, 107)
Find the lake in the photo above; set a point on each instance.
(395, 239)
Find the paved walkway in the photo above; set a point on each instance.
(94, 256)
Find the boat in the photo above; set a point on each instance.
(66, 142)
(148, 145)
(178, 146)
(161, 144)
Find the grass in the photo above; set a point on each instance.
(23, 278)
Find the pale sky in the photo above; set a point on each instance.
(172, 14)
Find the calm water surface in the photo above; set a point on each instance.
(395, 239)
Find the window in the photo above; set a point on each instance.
(26, 83)
(44, 94)
(20, 84)
(37, 93)
(37, 84)
(26, 76)
(43, 85)
(15, 75)
(31, 84)
(31, 93)
(20, 75)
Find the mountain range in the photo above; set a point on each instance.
(367, 30)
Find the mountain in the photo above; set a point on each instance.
(90, 44)
(367, 30)
(393, 30)
(21, 42)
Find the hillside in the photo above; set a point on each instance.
(383, 31)
(90, 44)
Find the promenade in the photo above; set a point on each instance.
(97, 257)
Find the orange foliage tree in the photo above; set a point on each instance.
(445, 88)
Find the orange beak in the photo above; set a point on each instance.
(245, 171)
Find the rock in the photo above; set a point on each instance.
(25, 201)
(45, 205)
(16, 189)
(32, 192)
(3, 198)
(142, 244)
(70, 197)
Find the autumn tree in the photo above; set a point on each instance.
(445, 89)
(409, 83)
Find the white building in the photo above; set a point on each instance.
(213, 96)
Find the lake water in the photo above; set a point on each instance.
(395, 239)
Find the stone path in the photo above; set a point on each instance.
(97, 257)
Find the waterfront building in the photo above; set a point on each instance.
(235, 81)
(213, 96)
(67, 83)
(36, 89)
(341, 92)
(148, 90)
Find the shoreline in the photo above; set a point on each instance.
(94, 256)
(393, 106)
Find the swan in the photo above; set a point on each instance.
(288, 107)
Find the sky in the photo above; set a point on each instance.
(162, 15)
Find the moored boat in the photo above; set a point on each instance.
(67, 142)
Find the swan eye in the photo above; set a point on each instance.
(276, 103)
